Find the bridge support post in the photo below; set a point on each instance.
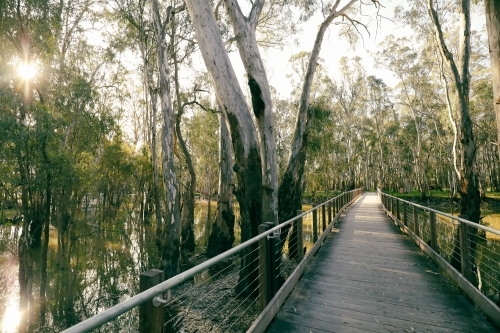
(273, 244)
(315, 225)
(416, 229)
(405, 216)
(300, 238)
(432, 222)
(150, 317)
(323, 217)
(264, 269)
(465, 251)
(330, 218)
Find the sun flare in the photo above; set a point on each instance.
(10, 320)
(27, 71)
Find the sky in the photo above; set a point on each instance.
(333, 48)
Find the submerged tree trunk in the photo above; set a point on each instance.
(222, 235)
(492, 9)
(244, 29)
(170, 237)
(45, 245)
(243, 134)
(187, 212)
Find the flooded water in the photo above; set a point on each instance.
(102, 268)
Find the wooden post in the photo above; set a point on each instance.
(264, 269)
(273, 244)
(405, 216)
(300, 239)
(150, 317)
(323, 217)
(432, 222)
(315, 225)
(416, 228)
(465, 253)
(398, 215)
(330, 219)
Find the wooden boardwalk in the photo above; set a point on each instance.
(369, 277)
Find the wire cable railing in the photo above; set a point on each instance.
(468, 252)
(229, 292)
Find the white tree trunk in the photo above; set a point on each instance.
(170, 239)
(492, 9)
(244, 29)
(243, 133)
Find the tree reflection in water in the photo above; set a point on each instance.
(101, 266)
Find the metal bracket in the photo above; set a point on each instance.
(275, 234)
(158, 300)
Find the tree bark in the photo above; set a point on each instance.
(243, 134)
(170, 238)
(222, 235)
(291, 187)
(492, 9)
(469, 193)
(244, 29)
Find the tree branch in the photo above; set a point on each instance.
(446, 54)
(253, 18)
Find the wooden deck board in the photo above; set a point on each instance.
(369, 277)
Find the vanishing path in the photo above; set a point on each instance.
(369, 277)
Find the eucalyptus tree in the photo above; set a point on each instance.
(469, 193)
(492, 9)
(181, 48)
(414, 75)
(170, 251)
(222, 234)
(350, 93)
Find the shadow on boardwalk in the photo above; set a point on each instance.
(369, 277)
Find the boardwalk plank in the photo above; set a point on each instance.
(369, 277)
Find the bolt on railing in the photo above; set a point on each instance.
(205, 295)
(463, 249)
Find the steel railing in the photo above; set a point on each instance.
(468, 252)
(228, 292)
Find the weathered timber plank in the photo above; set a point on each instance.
(372, 278)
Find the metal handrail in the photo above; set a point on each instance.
(127, 305)
(459, 219)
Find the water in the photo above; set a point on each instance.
(104, 264)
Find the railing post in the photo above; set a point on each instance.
(405, 216)
(300, 239)
(323, 217)
(465, 253)
(416, 228)
(150, 317)
(264, 269)
(315, 225)
(273, 244)
(432, 222)
(330, 212)
(398, 215)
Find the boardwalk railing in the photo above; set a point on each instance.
(239, 290)
(467, 252)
